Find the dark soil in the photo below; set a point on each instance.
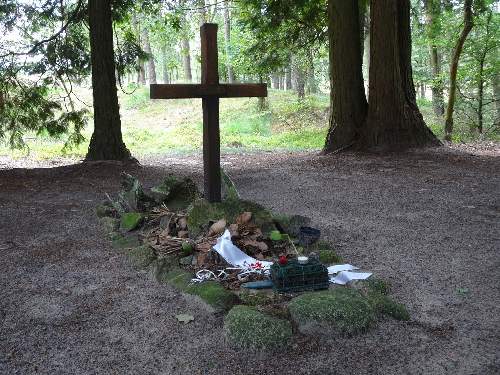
(426, 221)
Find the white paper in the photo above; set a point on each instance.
(235, 257)
(344, 277)
(341, 267)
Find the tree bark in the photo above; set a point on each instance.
(106, 142)
(468, 24)
(164, 66)
(432, 12)
(312, 85)
(496, 96)
(394, 121)
(288, 77)
(366, 50)
(298, 77)
(348, 104)
(151, 60)
(227, 36)
(186, 60)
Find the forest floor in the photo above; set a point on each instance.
(426, 221)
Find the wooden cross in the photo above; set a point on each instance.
(210, 90)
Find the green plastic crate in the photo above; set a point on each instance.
(294, 277)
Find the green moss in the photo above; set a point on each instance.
(211, 292)
(255, 299)
(214, 294)
(375, 285)
(124, 242)
(178, 278)
(104, 211)
(329, 257)
(162, 266)
(130, 220)
(141, 256)
(201, 212)
(248, 328)
(387, 306)
(340, 310)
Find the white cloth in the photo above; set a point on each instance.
(341, 274)
(235, 257)
(344, 277)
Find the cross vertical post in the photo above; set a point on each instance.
(210, 90)
(211, 132)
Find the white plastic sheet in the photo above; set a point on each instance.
(341, 274)
(235, 257)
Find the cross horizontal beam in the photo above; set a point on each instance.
(186, 91)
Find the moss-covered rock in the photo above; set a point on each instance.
(141, 256)
(246, 327)
(329, 257)
(329, 313)
(175, 193)
(178, 278)
(255, 298)
(162, 266)
(121, 241)
(210, 292)
(385, 305)
(201, 212)
(377, 293)
(104, 210)
(214, 294)
(130, 221)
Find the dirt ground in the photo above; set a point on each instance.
(427, 221)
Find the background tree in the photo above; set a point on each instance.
(106, 142)
(348, 104)
(393, 120)
(468, 24)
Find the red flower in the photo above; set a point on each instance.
(283, 260)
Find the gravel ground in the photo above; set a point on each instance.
(426, 221)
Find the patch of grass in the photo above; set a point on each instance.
(246, 327)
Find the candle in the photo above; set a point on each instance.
(302, 260)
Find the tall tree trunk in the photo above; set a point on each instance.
(106, 142)
(496, 97)
(141, 71)
(348, 104)
(432, 13)
(151, 60)
(468, 24)
(276, 81)
(262, 104)
(312, 86)
(186, 60)
(288, 77)
(480, 94)
(164, 66)
(394, 121)
(298, 77)
(366, 49)
(227, 36)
